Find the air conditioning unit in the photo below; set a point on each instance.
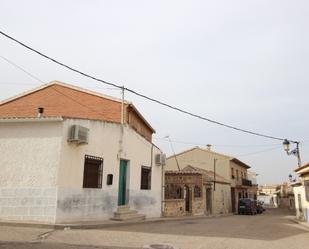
(160, 159)
(78, 134)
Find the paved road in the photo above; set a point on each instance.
(271, 230)
(271, 225)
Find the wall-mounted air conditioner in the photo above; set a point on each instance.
(160, 159)
(78, 134)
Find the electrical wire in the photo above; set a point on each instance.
(20, 68)
(216, 145)
(38, 79)
(259, 152)
(142, 95)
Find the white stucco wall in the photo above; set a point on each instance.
(30, 153)
(304, 213)
(202, 159)
(221, 202)
(105, 141)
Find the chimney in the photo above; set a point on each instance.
(208, 146)
(40, 112)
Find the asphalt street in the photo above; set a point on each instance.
(275, 229)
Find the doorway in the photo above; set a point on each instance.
(208, 201)
(187, 198)
(122, 183)
(233, 200)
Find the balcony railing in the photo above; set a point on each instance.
(246, 182)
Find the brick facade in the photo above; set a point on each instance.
(59, 99)
(184, 194)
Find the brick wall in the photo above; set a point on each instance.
(60, 100)
(175, 207)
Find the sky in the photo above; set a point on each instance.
(242, 62)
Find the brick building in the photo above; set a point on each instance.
(183, 193)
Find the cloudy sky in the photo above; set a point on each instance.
(244, 63)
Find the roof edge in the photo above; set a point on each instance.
(56, 82)
(31, 119)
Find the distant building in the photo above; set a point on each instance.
(223, 194)
(267, 193)
(301, 193)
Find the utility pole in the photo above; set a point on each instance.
(168, 137)
(215, 161)
(122, 105)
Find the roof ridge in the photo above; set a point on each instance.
(60, 83)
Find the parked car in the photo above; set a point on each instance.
(247, 206)
(260, 207)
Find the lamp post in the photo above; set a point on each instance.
(290, 177)
(294, 152)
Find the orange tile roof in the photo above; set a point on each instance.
(60, 99)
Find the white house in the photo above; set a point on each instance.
(301, 193)
(81, 158)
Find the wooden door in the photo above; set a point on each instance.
(122, 183)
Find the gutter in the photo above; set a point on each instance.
(32, 120)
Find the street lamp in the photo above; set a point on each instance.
(294, 152)
(290, 177)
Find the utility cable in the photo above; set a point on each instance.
(142, 95)
(216, 145)
(20, 68)
(54, 89)
(259, 152)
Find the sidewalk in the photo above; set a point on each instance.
(108, 223)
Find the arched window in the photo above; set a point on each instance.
(173, 191)
(197, 191)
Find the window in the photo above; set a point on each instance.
(232, 172)
(93, 168)
(237, 176)
(146, 178)
(173, 191)
(197, 191)
(242, 175)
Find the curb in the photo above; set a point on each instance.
(109, 225)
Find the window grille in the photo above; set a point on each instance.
(173, 191)
(145, 177)
(93, 170)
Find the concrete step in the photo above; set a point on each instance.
(122, 213)
(125, 213)
(123, 208)
(131, 217)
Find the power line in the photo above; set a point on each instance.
(36, 78)
(217, 145)
(142, 95)
(259, 152)
(20, 68)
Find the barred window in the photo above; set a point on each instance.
(197, 191)
(173, 191)
(93, 169)
(146, 177)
